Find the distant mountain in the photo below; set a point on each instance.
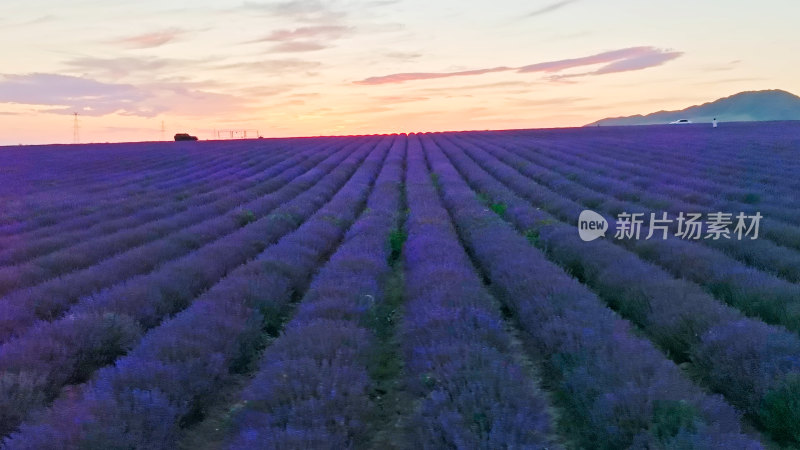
(742, 107)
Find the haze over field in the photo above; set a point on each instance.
(305, 67)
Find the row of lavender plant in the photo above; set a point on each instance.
(762, 253)
(679, 317)
(50, 205)
(127, 177)
(635, 163)
(101, 327)
(614, 183)
(312, 386)
(759, 155)
(142, 208)
(754, 292)
(86, 248)
(112, 215)
(100, 168)
(80, 165)
(646, 164)
(49, 299)
(704, 149)
(460, 362)
(698, 181)
(203, 189)
(738, 158)
(730, 285)
(140, 402)
(616, 390)
(73, 209)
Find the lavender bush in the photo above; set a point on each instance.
(312, 386)
(182, 361)
(458, 355)
(610, 399)
(49, 300)
(166, 291)
(408, 291)
(675, 314)
(752, 291)
(94, 248)
(199, 188)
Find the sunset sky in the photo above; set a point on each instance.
(304, 67)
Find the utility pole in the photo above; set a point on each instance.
(76, 131)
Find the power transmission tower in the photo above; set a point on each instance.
(236, 134)
(76, 131)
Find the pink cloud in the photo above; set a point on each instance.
(321, 31)
(403, 77)
(150, 40)
(310, 11)
(117, 68)
(644, 61)
(550, 8)
(70, 94)
(303, 39)
(399, 99)
(605, 57)
(634, 62)
(64, 94)
(273, 66)
(297, 46)
(622, 60)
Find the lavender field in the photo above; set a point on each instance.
(406, 291)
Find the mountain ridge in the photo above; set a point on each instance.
(747, 106)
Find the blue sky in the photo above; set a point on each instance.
(348, 67)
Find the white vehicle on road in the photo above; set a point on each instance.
(681, 122)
